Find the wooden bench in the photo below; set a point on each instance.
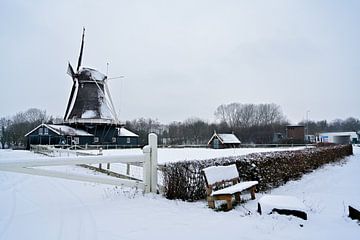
(222, 182)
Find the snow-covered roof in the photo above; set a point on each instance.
(225, 138)
(62, 130)
(66, 130)
(123, 132)
(90, 120)
(86, 73)
(228, 138)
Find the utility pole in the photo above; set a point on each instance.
(307, 125)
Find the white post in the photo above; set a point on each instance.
(153, 162)
(146, 168)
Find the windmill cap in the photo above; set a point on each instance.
(86, 73)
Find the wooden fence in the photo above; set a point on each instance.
(148, 158)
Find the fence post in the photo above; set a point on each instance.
(153, 162)
(147, 168)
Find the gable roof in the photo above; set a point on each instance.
(66, 130)
(61, 130)
(225, 138)
(123, 132)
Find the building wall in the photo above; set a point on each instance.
(128, 141)
(339, 137)
(103, 135)
(296, 133)
(41, 137)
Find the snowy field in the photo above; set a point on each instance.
(47, 208)
(166, 155)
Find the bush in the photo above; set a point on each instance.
(184, 180)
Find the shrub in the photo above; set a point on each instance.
(184, 180)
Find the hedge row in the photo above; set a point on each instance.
(183, 180)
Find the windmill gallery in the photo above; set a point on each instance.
(90, 117)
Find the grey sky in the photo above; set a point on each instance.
(184, 58)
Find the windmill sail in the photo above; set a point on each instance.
(81, 50)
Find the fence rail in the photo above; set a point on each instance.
(148, 158)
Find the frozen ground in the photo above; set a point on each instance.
(180, 154)
(47, 208)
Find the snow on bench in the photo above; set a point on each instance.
(222, 182)
(287, 205)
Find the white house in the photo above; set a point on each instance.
(338, 137)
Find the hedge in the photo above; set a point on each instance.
(184, 180)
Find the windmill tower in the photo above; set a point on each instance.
(90, 100)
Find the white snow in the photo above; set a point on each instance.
(47, 208)
(219, 173)
(63, 129)
(123, 132)
(166, 155)
(269, 202)
(235, 188)
(225, 138)
(89, 114)
(228, 138)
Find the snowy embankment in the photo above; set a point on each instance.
(47, 208)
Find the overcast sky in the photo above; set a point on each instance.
(184, 58)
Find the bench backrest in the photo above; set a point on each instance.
(217, 174)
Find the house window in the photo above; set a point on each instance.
(41, 131)
(114, 139)
(46, 131)
(76, 140)
(128, 140)
(96, 139)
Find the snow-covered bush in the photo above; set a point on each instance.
(184, 180)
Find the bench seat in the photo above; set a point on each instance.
(239, 187)
(222, 182)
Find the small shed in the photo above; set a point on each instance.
(224, 140)
(295, 133)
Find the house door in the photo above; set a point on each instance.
(69, 140)
(216, 143)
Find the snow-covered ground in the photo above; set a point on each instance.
(166, 155)
(47, 208)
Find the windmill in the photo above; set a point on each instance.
(90, 98)
(90, 117)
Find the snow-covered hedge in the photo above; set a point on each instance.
(183, 180)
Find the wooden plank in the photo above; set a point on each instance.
(77, 177)
(62, 161)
